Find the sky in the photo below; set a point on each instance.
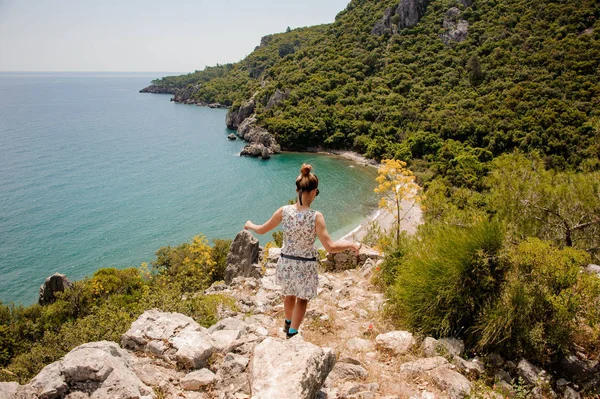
(145, 35)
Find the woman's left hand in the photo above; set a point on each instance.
(249, 225)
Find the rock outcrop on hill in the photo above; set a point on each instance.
(242, 259)
(235, 117)
(53, 284)
(456, 28)
(406, 14)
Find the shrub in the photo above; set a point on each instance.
(104, 306)
(545, 298)
(446, 278)
(219, 253)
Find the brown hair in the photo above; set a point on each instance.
(306, 181)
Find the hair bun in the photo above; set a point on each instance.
(305, 169)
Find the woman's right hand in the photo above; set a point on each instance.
(249, 225)
(355, 247)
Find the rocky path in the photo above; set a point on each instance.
(348, 317)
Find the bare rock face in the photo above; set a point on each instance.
(9, 389)
(438, 370)
(104, 369)
(408, 14)
(171, 336)
(291, 368)
(456, 28)
(53, 284)
(261, 142)
(95, 370)
(398, 342)
(277, 98)
(235, 118)
(242, 259)
(195, 380)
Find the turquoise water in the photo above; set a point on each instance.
(94, 174)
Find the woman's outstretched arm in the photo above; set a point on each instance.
(268, 225)
(330, 245)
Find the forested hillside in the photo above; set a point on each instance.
(526, 76)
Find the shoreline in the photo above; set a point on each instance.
(382, 217)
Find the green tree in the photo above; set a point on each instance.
(563, 207)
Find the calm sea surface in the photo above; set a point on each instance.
(94, 174)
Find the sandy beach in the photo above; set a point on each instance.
(385, 220)
(382, 217)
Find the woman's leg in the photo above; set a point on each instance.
(288, 306)
(299, 312)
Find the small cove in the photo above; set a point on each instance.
(95, 174)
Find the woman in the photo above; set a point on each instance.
(297, 266)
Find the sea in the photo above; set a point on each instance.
(94, 174)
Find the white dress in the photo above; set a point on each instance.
(298, 277)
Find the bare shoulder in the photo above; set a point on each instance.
(319, 217)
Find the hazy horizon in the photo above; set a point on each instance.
(144, 36)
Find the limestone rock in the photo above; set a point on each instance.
(277, 98)
(53, 284)
(103, 370)
(345, 371)
(245, 126)
(291, 368)
(265, 154)
(242, 257)
(360, 345)
(261, 142)
(408, 14)
(197, 379)
(232, 136)
(454, 384)
(429, 346)
(252, 150)
(50, 383)
(225, 339)
(171, 336)
(398, 342)
(456, 29)
(235, 117)
(528, 372)
(193, 348)
(439, 371)
(8, 390)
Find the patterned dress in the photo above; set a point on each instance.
(298, 277)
